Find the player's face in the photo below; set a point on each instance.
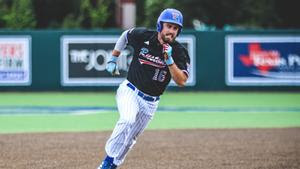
(169, 32)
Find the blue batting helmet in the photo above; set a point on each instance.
(171, 16)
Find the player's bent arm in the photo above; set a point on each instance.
(121, 44)
(178, 75)
(111, 64)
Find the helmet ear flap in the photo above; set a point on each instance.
(159, 26)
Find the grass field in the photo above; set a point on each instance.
(86, 111)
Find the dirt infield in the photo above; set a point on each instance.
(167, 149)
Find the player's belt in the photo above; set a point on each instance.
(143, 95)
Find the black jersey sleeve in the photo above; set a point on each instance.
(135, 35)
(182, 59)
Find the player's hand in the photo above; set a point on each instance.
(167, 51)
(112, 67)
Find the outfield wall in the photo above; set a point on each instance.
(50, 60)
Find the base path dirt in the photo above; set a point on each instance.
(163, 149)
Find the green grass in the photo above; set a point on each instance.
(57, 123)
(223, 99)
(232, 99)
(162, 120)
(225, 120)
(57, 99)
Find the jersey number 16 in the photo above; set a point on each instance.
(159, 75)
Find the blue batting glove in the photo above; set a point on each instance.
(111, 66)
(167, 51)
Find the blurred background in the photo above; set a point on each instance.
(107, 14)
(48, 45)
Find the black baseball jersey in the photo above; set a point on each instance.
(148, 70)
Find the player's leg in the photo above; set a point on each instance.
(142, 120)
(128, 109)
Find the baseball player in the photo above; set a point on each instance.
(158, 57)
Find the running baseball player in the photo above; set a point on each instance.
(158, 57)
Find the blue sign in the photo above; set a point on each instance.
(262, 60)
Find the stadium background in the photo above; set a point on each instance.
(46, 122)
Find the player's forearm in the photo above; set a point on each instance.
(178, 75)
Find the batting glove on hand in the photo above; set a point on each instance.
(167, 51)
(112, 67)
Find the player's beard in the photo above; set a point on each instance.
(168, 38)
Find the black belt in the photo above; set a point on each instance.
(143, 95)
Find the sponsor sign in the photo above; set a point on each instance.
(262, 60)
(15, 60)
(84, 60)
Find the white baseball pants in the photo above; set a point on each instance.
(135, 114)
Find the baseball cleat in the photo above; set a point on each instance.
(107, 163)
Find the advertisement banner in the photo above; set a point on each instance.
(262, 60)
(15, 60)
(84, 60)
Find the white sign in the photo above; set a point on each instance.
(15, 60)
